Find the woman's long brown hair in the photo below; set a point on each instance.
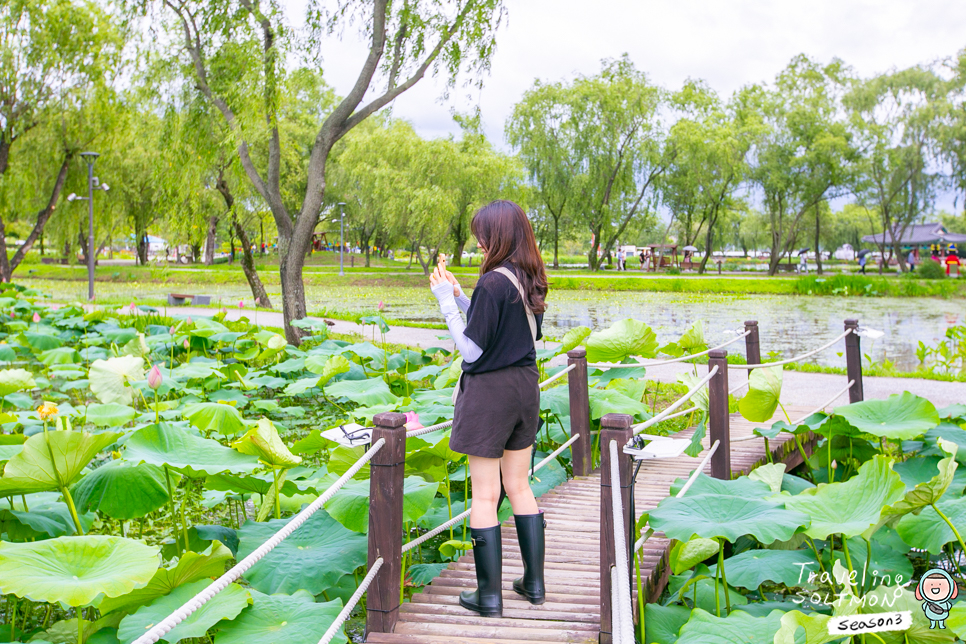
(502, 228)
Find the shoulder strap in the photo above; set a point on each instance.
(531, 320)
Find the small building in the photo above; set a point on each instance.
(918, 235)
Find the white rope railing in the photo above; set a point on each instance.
(623, 615)
(628, 365)
(558, 375)
(461, 516)
(698, 470)
(644, 537)
(199, 600)
(617, 610)
(731, 392)
(794, 359)
(799, 421)
(827, 403)
(347, 610)
(428, 430)
(640, 427)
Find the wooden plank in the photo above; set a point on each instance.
(572, 611)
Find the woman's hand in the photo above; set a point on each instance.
(440, 274)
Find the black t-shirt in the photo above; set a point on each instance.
(497, 323)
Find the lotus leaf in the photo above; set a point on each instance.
(957, 620)
(372, 391)
(350, 506)
(928, 530)
(608, 401)
(313, 558)
(51, 461)
(764, 389)
(41, 341)
(110, 415)
(742, 486)
(12, 380)
(885, 561)
(110, 379)
(925, 493)
(725, 515)
(737, 628)
(192, 566)
(685, 554)
(949, 432)
(276, 619)
(213, 416)
(205, 328)
(771, 474)
(342, 458)
(264, 442)
(165, 444)
(573, 338)
(922, 469)
(48, 516)
(815, 626)
(662, 623)
(623, 339)
(122, 490)
(327, 369)
(752, 568)
(851, 507)
(901, 417)
(60, 355)
(301, 386)
(556, 400)
(232, 397)
(225, 605)
(75, 570)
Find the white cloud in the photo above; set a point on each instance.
(729, 43)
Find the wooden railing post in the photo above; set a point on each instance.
(752, 346)
(616, 427)
(581, 455)
(853, 361)
(719, 428)
(385, 521)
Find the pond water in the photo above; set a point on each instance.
(788, 324)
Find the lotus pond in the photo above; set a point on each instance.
(142, 455)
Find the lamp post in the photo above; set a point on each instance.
(341, 235)
(93, 183)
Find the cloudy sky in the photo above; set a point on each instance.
(729, 43)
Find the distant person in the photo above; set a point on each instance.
(911, 260)
(862, 260)
(803, 263)
(620, 259)
(643, 259)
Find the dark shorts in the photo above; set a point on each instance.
(495, 411)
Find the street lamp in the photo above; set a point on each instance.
(341, 234)
(93, 183)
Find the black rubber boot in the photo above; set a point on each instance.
(530, 533)
(487, 599)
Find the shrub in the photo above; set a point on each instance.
(930, 270)
(674, 270)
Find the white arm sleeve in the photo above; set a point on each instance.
(451, 313)
(462, 301)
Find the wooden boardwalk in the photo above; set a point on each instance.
(572, 610)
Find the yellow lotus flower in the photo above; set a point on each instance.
(46, 410)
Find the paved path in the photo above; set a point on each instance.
(572, 611)
(799, 388)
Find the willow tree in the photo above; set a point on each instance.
(405, 41)
(594, 149)
(804, 154)
(54, 57)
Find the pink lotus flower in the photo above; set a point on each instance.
(412, 420)
(36, 317)
(381, 305)
(224, 311)
(172, 330)
(258, 301)
(154, 377)
(131, 307)
(241, 304)
(189, 320)
(185, 343)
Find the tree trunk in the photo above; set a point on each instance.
(291, 263)
(248, 266)
(7, 267)
(210, 240)
(143, 248)
(458, 255)
(412, 254)
(248, 260)
(82, 240)
(818, 249)
(709, 238)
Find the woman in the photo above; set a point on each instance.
(497, 397)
